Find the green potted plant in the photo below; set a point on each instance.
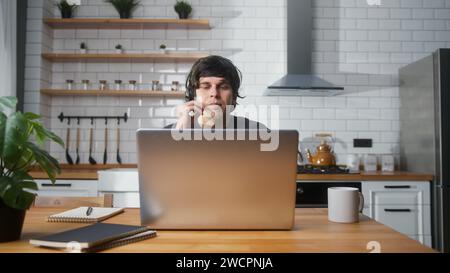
(67, 9)
(124, 7)
(83, 48)
(162, 48)
(119, 49)
(22, 137)
(183, 8)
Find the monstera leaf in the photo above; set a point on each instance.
(22, 137)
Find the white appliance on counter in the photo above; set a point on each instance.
(123, 183)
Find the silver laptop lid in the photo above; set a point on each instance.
(216, 184)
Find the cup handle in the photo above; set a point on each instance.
(361, 202)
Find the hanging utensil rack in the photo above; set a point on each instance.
(62, 117)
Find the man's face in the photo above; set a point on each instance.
(214, 91)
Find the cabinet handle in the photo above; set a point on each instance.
(397, 210)
(398, 187)
(68, 185)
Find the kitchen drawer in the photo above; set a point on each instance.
(80, 188)
(406, 219)
(125, 199)
(396, 193)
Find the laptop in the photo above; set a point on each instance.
(226, 184)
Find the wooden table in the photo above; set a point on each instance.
(312, 233)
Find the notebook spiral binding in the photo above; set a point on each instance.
(121, 242)
(70, 220)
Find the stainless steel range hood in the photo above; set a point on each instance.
(299, 81)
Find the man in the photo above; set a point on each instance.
(212, 88)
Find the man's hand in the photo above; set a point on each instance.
(187, 113)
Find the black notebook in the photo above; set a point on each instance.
(95, 237)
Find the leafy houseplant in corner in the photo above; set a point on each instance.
(119, 49)
(67, 9)
(124, 7)
(183, 8)
(18, 154)
(83, 48)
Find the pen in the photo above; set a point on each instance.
(89, 211)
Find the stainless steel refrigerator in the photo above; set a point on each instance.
(425, 133)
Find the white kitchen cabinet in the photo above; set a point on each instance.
(404, 206)
(75, 188)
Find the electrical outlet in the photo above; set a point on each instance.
(362, 143)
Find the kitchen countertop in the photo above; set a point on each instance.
(312, 233)
(89, 172)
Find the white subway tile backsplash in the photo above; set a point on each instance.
(357, 125)
(400, 13)
(335, 125)
(312, 125)
(369, 114)
(380, 125)
(357, 102)
(323, 113)
(312, 102)
(300, 113)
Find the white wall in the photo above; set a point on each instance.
(8, 43)
(356, 46)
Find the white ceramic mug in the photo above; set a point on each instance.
(344, 204)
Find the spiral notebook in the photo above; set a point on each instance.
(95, 237)
(79, 215)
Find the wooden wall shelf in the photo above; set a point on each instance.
(120, 93)
(114, 23)
(152, 57)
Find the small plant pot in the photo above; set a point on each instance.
(11, 223)
(119, 51)
(163, 51)
(66, 14)
(183, 15)
(125, 15)
(83, 51)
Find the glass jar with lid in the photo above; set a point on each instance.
(85, 84)
(118, 84)
(132, 85)
(69, 84)
(175, 86)
(155, 85)
(103, 84)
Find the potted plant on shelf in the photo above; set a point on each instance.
(162, 48)
(183, 8)
(124, 7)
(83, 48)
(22, 137)
(67, 8)
(119, 49)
